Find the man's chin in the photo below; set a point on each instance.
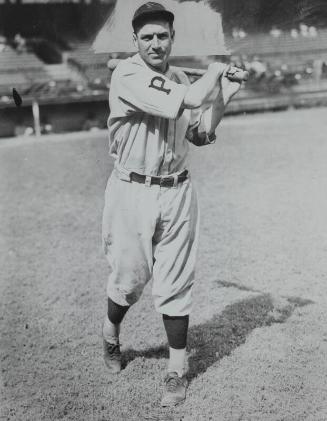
(158, 63)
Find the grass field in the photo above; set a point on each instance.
(258, 334)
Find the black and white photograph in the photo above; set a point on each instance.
(163, 202)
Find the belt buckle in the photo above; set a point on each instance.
(147, 180)
(162, 181)
(173, 178)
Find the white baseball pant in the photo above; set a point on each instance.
(151, 232)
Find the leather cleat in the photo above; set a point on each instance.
(112, 356)
(175, 390)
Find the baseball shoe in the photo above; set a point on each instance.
(175, 390)
(112, 356)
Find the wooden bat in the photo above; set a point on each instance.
(234, 74)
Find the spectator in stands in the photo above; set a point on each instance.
(294, 33)
(20, 43)
(317, 69)
(275, 32)
(22, 129)
(324, 69)
(241, 33)
(46, 127)
(313, 32)
(235, 33)
(258, 68)
(238, 33)
(3, 43)
(304, 30)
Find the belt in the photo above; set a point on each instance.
(165, 181)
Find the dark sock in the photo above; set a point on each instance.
(176, 329)
(116, 312)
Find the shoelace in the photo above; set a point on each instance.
(172, 383)
(113, 349)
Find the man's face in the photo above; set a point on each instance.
(154, 41)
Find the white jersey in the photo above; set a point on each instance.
(149, 133)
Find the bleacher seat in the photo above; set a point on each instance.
(20, 70)
(10, 80)
(265, 44)
(13, 61)
(93, 66)
(26, 72)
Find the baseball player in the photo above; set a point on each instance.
(150, 217)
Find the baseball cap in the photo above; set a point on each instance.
(152, 9)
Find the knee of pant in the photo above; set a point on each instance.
(133, 293)
(132, 297)
(175, 304)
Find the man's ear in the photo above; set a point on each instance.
(135, 39)
(173, 35)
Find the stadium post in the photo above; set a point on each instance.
(36, 117)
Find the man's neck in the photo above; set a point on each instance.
(162, 69)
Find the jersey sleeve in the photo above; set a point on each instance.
(196, 132)
(143, 90)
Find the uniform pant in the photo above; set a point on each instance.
(151, 232)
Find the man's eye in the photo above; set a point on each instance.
(147, 39)
(163, 36)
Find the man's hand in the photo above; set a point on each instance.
(229, 88)
(212, 86)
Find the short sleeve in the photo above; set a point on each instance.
(142, 89)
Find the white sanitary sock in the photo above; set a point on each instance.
(177, 361)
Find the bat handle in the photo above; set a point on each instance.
(234, 74)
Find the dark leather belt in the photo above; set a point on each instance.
(165, 181)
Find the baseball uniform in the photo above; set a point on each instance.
(149, 230)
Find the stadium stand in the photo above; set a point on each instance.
(267, 45)
(11, 60)
(63, 75)
(20, 70)
(93, 66)
(10, 80)
(281, 68)
(24, 71)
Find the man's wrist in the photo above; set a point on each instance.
(211, 137)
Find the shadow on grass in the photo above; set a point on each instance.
(211, 341)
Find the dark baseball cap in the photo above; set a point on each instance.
(152, 9)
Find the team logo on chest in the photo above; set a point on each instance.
(158, 83)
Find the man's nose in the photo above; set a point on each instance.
(155, 42)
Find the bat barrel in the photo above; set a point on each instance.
(234, 73)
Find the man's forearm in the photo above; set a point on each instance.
(204, 90)
(213, 115)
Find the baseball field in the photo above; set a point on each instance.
(258, 334)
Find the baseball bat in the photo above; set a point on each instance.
(234, 74)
